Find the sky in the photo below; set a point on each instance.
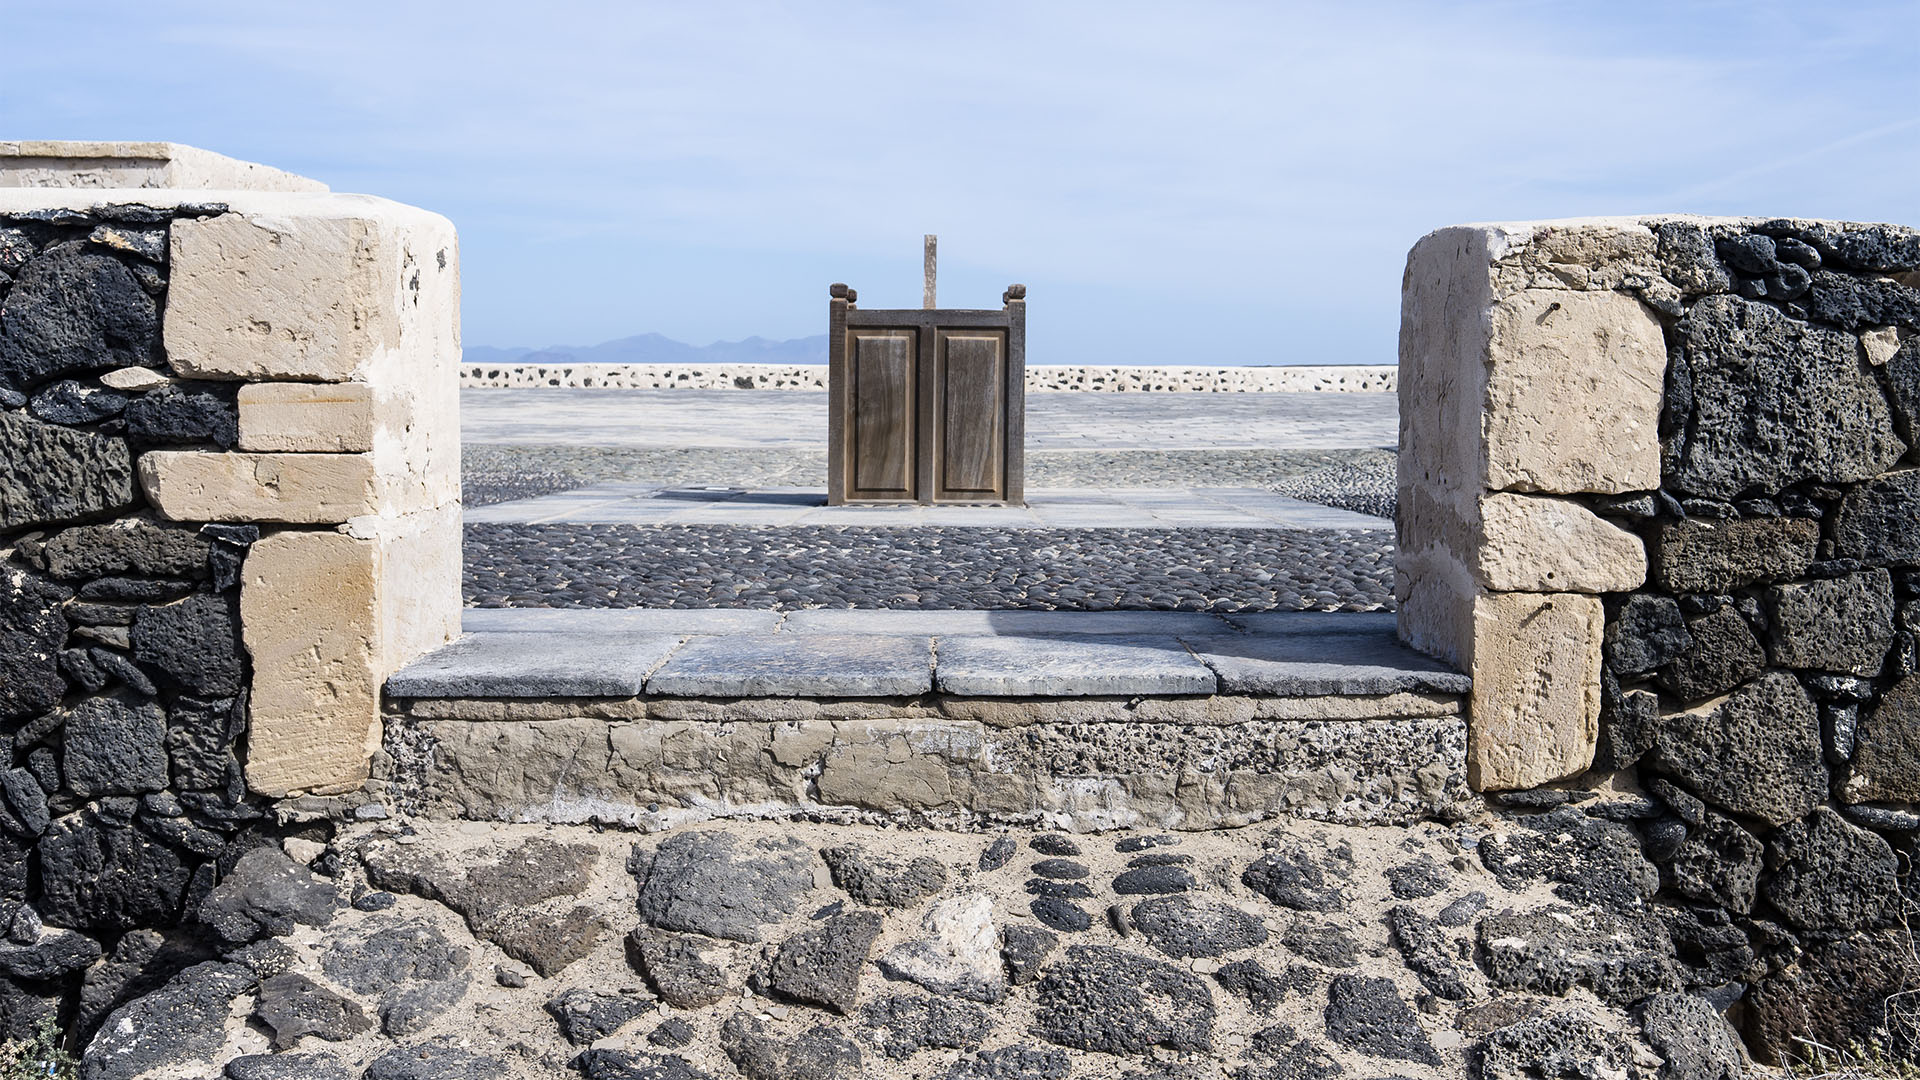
(1200, 182)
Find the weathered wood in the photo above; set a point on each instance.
(931, 243)
(972, 408)
(884, 404)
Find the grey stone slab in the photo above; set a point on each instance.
(797, 665)
(681, 621)
(1000, 623)
(978, 666)
(1314, 622)
(508, 665)
(1305, 664)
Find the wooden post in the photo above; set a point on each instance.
(926, 300)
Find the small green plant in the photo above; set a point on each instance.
(1855, 1062)
(40, 1058)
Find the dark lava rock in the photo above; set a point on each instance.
(1461, 912)
(438, 1058)
(73, 311)
(677, 968)
(51, 955)
(1184, 927)
(1719, 863)
(1648, 632)
(1565, 1044)
(1260, 988)
(999, 853)
(195, 643)
(1699, 556)
(1622, 959)
(1836, 624)
(1129, 845)
(201, 739)
(98, 876)
(1060, 869)
(585, 1015)
(672, 1033)
(1590, 860)
(1418, 879)
(1054, 844)
(1060, 914)
(1159, 858)
(32, 631)
(709, 883)
(1875, 522)
(115, 747)
(378, 900)
(1426, 951)
(168, 417)
(1115, 1002)
(819, 1053)
(1296, 879)
(1013, 1063)
(1694, 1039)
(294, 1006)
(1154, 880)
(265, 958)
(1061, 890)
(1859, 304)
(822, 966)
(880, 882)
(610, 1064)
(1369, 1015)
(1278, 1052)
(1322, 942)
(1725, 654)
(50, 474)
(286, 1067)
(1757, 752)
(1023, 949)
(264, 895)
(901, 1025)
(70, 402)
(1835, 994)
(411, 967)
(1886, 747)
(1777, 402)
(1827, 874)
(1885, 248)
(182, 1022)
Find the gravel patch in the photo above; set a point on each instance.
(931, 568)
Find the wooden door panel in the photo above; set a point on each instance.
(971, 415)
(883, 378)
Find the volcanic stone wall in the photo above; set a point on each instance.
(1753, 661)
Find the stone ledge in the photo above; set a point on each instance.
(44, 164)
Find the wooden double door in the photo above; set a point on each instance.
(928, 405)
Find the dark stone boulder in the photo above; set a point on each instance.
(1184, 927)
(1426, 951)
(1054, 844)
(1017, 1063)
(1565, 1044)
(265, 895)
(1777, 402)
(1875, 521)
(133, 547)
(1589, 860)
(287, 1067)
(202, 739)
(114, 747)
(70, 402)
(1023, 949)
(1885, 766)
(879, 882)
(183, 1022)
(1875, 248)
(1154, 880)
(1296, 877)
(32, 632)
(1321, 942)
(709, 883)
(1827, 874)
(51, 474)
(1623, 959)
(1835, 993)
(1903, 387)
(74, 311)
(171, 418)
(1756, 752)
(1688, 260)
(585, 1015)
(1648, 632)
(1629, 724)
(677, 967)
(99, 876)
(50, 955)
(410, 968)
(194, 643)
(1853, 303)
(1718, 863)
(822, 966)
(1418, 879)
(293, 1006)
(1724, 654)
(1695, 1040)
(439, 1058)
(818, 1053)
(999, 853)
(1061, 915)
(1698, 555)
(1261, 989)
(1369, 1015)
(1060, 869)
(901, 1025)
(1115, 1002)
(1842, 624)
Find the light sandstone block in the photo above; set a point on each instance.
(61, 164)
(327, 617)
(329, 418)
(319, 287)
(1533, 543)
(1535, 708)
(307, 489)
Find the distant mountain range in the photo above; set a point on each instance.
(655, 349)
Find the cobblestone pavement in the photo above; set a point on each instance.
(928, 568)
(793, 418)
(1506, 947)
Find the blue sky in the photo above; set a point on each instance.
(1176, 183)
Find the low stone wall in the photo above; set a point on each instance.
(1220, 380)
(1658, 495)
(229, 478)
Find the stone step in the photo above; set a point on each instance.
(1089, 720)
